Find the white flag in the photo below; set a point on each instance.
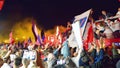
(79, 27)
(82, 19)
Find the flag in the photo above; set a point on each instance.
(79, 27)
(35, 32)
(82, 19)
(1, 4)
(11, 40)
(90, 34)
(57, 31)
(58, 35)
(72, 40)
(77, 34)
(38, 41)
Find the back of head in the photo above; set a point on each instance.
(17, 61)
(25, 61)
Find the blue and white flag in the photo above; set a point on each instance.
(79, 26)
(82, 19)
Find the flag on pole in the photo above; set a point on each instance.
(82, 19)
(35, 32)
(57, 31)
(79, 27)
(11, 40)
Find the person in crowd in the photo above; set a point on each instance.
(50, 58)
(118, 64)
(105, 15)
(33, 65)
(25, 63)
(96, 55)
(17, 62)
(118, 13)
(65, 49)
(39, 60)
(108, 32)
(84, 60)
(6, 63)
(67, 54)
(1, 62)
(60, 62)
(100, 29)
(116, 29)
(115, 55)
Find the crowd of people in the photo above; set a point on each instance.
(62, 55)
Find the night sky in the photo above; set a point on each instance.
(49, 13)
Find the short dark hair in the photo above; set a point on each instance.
(18, 61)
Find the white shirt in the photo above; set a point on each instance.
(60, 62)
(118, 64)
(5, 65)
(108, 32)
(50, 59)
(31, 64)
(118, 13)
(12, 57)
(116, 25)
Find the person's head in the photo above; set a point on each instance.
(108, 20)
(17, 61)
(61, 56)
(118, 9)
(74, 49)
(30, 47)
(50, 50)
(25, 62)
(103, 12)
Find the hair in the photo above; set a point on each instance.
(1, 62)
(25, 61)
(18, 61)
(74, 49)
(50, 50)
(35, 47)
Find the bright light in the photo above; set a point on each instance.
(16, 38)
(23, 37)
(6, 41)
